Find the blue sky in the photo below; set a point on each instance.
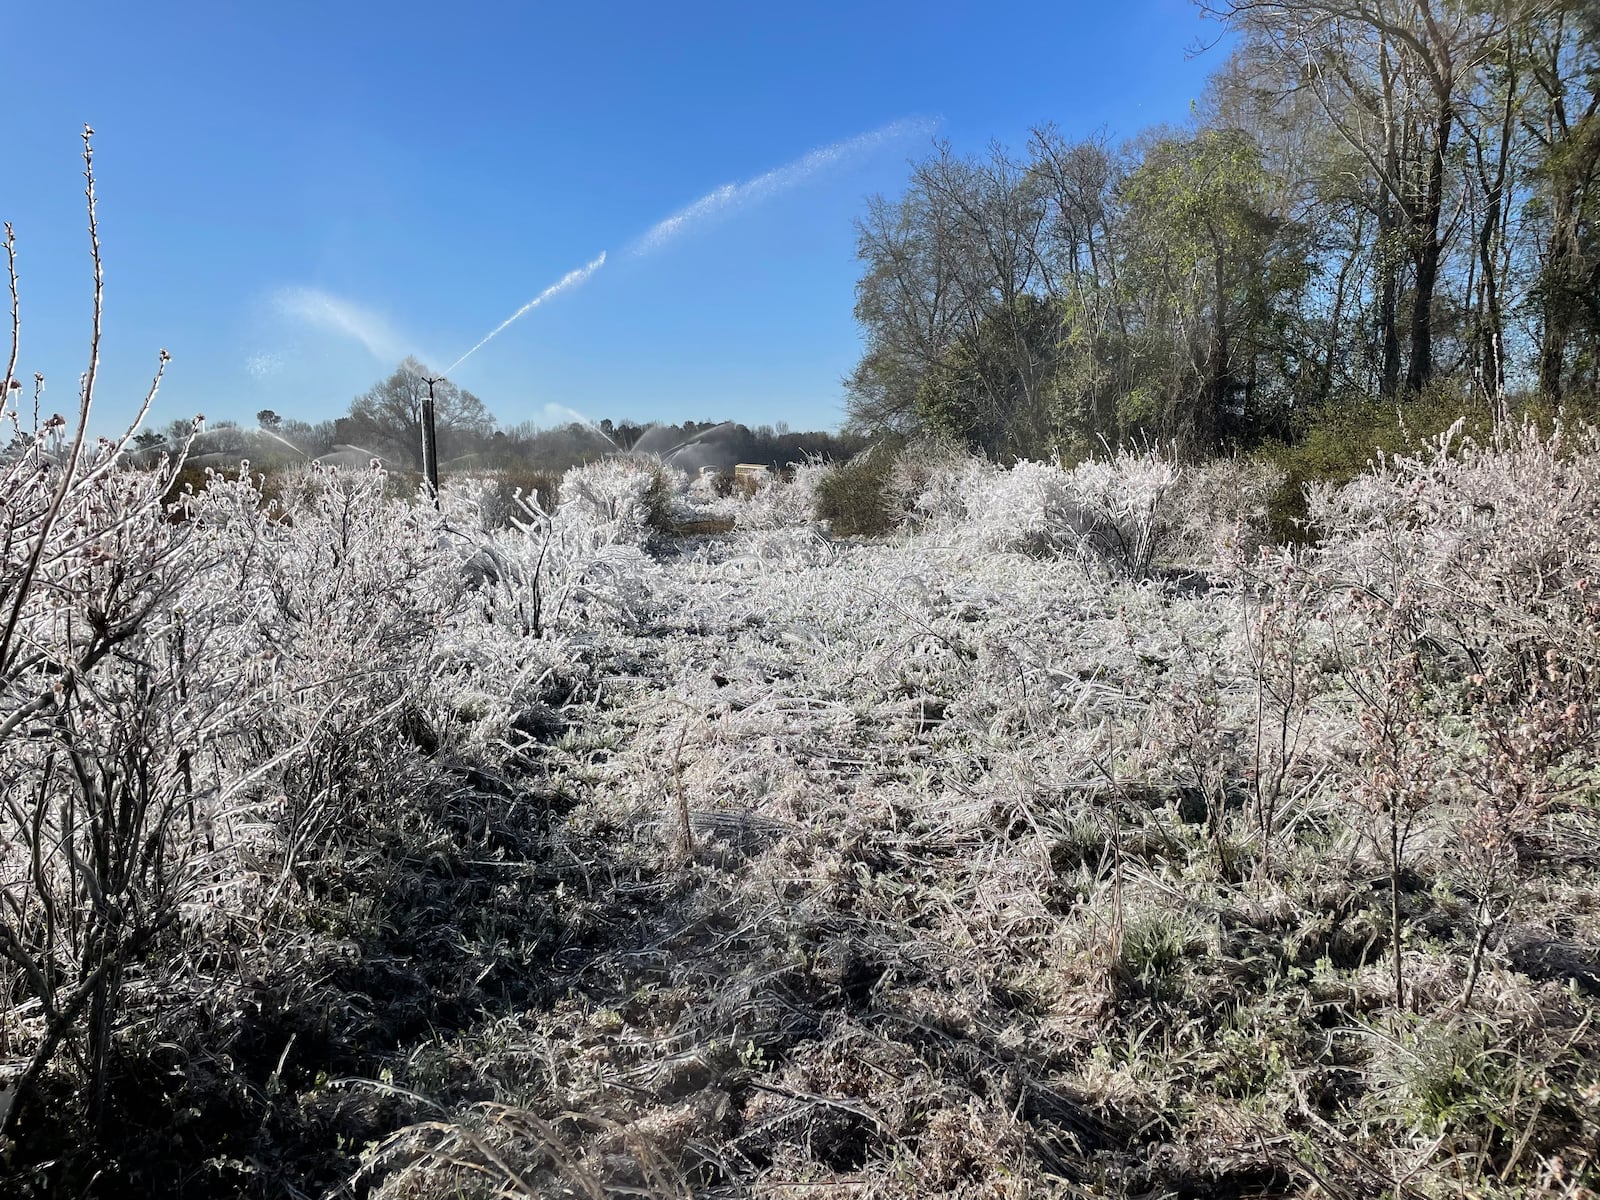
(294, 195)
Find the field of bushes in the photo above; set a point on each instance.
(1071, 837)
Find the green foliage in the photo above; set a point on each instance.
(1339, 441)
(1248, 1065)
(658, 500)
(1447, 1075)
(852, 497)
(1207, 268)
(1365, 205)
(1155, 943)
(990, 388)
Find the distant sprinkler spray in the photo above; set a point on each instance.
(277, 437)
(570, 279)
(587, 422)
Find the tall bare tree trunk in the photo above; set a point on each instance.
(1491, 331)
(1336, 316)
(1388, 304)
(1428, 255)
(1559, 257)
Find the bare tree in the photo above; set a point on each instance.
(907, 302)
(1565, 67)
(390, 413)
(1391, 77)
(997, 212)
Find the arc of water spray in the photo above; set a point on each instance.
(570, 279)
(732, 196)
(587, 422)
(280, 438)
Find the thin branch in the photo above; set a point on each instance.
(16, 318)
(85, 400)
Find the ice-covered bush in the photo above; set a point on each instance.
(1222, 507)
(494, 498)
(119, 727)
(709, 498)
(211, 716)
(927, 482)
(1111, 512)
(1497, 545)
(121, 714)
(1122, 504)
(619, 500)
(343, 591)
(541, 573)
(1465, 580)
(1028, 507)
(784, 503)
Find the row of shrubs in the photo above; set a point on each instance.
(876, 493)
(1133, 510)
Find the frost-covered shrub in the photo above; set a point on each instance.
(927, 482)
(1027, 508)
(495, 496)
(234, 724)
(1221, 507)
(544, 574)
(1509, 513)
(1494, 550)
(708, 498)
(779, 503)
(342, 591)
(775, 551)
(619, 500)
(471, 503)
(1123, 504)
(124, 718)
(1463, 580)
(1107, 511)
(121, 719)
(258, 694)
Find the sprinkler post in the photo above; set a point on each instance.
(430, 443)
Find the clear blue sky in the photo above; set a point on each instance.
(293, 194)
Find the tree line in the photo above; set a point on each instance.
(1375, 198)
(386, 422)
